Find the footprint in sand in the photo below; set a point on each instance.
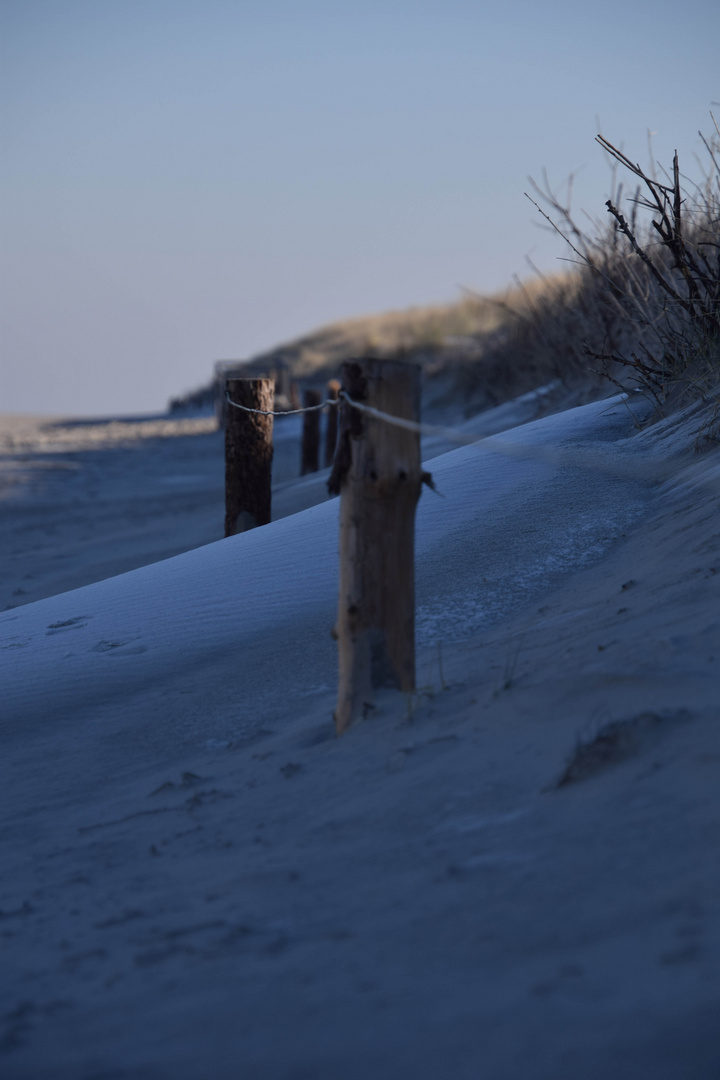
(76, 623)
(121, 648)
(127, 647)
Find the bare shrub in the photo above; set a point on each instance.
(648, 285)
(641, 306)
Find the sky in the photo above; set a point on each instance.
(183, 181)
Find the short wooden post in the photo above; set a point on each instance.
(378, 474)
(248, 455)
(310, 460)
(333, 389)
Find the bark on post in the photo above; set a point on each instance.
(333, 389)
(378, 474)
(248, 455)
(310, 461)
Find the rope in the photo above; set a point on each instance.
(288, 412)
(551, 455)
(508, 449)
(412, 425)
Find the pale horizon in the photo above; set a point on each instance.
(184, 182)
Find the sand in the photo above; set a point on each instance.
(512, 873)
(82, 501)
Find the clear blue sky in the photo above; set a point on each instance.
(184, 180)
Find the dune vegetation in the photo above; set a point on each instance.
(639, 306)
(643, 305)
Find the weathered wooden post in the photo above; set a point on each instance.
(378, 475)
(248, 455)
(310, 459)
(333, 389)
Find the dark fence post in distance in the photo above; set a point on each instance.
(378, 474)
(310, 460)
(248, 455)
(333, 389)
(221, 405)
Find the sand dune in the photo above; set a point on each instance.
(512, 873)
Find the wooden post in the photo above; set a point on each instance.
(378, 474)
(282, 384)
(248, 455)
(221, 405)
(310, 460)
(333, 389)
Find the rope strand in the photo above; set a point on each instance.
(648, 470)
(285, 412)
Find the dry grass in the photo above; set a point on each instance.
(416, 330)
(462, 347)
(455, 343)
(643, 305)
(640, 308)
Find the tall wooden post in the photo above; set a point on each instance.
(248, 455)
(310, 460)
(333, 389)
(378, 474)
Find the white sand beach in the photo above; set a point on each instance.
(512, 873)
